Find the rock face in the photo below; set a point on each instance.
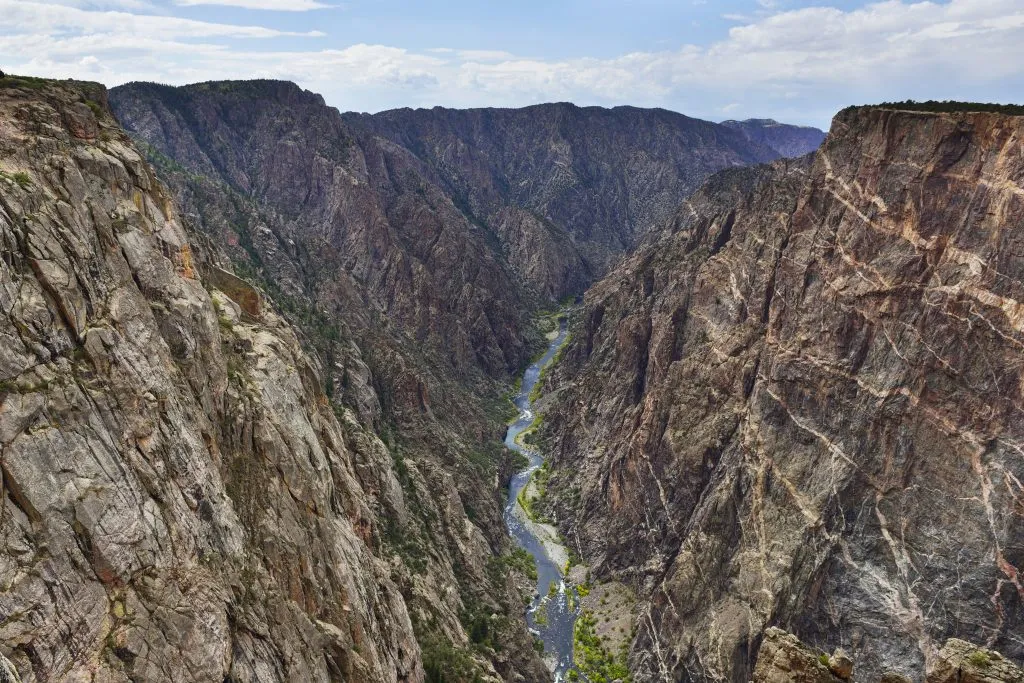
(8, 674)
(785, 140)
(179, 502)
(801, 406)
(180, 498)
(273, 172)
(567, 189)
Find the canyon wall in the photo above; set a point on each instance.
(800, 405)
(181, 497)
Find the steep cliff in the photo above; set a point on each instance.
(567, 189)
(336, 204)
(801, 406)
(180, 498)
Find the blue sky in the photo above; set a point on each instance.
(793, 60)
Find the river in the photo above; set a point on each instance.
(559, 612)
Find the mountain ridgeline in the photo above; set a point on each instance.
(568, 189)
(785, 140)
(554, 193)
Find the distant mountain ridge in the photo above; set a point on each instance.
(784, 139)
(552, 193)
(563, 185)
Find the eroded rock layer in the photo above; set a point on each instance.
(802, 406)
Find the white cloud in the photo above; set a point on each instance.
(799, 64)
(275, 5)
(56, 19)
(106, 4)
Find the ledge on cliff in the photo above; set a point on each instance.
(783, 658)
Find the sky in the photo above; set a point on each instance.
(797, 61)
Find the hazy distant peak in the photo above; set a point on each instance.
(785, 139)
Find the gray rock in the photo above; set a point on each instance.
(801, 402)
(8, 674)
(784, 659)
(890, 677)
(179, 502)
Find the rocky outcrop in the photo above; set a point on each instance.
(801, 406)
(784, 139)
(181, 500)
(567, 189)
(782, 658)
(962, 662)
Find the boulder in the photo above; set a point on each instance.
(840, 664)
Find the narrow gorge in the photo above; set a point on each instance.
(261, 415)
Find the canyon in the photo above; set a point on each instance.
(257, 367)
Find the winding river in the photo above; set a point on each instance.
(551, 614)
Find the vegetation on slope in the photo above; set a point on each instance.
(953, 106)
(593, 660)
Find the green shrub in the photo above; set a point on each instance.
(96, 108)
(23, 82)
(443, 663)
(980, 659)
(522, 561)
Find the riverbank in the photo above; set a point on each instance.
(547, 534)
(553, 612)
